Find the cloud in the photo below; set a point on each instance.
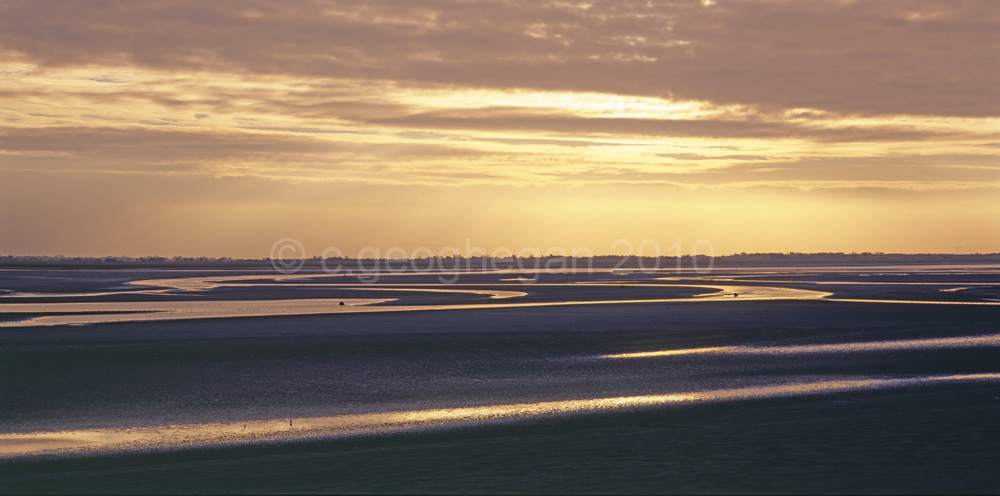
(453, 160)
(843, 121)
(170, 151)
(888, 57)
(505, 120)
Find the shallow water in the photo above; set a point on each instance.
(992, 340)
(191, 435)
(101, 312)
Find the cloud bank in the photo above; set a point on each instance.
(863, 97)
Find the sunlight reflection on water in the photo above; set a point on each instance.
(79, 313)
(158, 437)
(101, 312)
(870, 346)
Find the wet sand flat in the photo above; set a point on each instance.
(665, 396)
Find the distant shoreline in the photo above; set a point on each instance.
(480, 263)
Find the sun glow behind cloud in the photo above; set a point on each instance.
(645, 119)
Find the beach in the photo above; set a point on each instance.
(808, 379)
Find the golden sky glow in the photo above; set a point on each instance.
(216, 128)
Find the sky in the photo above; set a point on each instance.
(217, 128)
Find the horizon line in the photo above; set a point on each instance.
(205, 258)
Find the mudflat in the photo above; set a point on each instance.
(886, 380)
